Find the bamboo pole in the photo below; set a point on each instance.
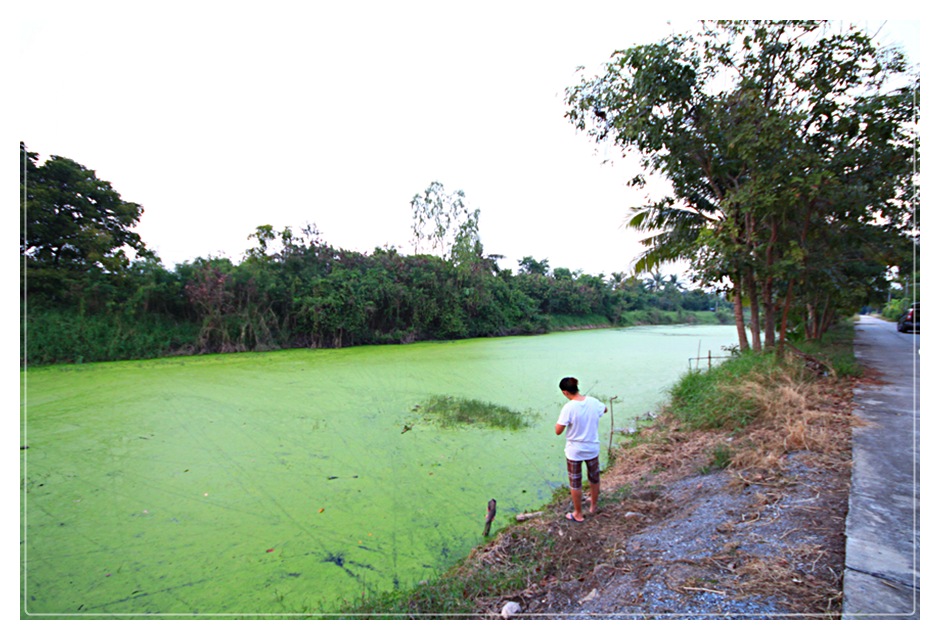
(610, 443)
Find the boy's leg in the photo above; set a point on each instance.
(574, 482)
(595, 494)
(576, 500)
(594, 478)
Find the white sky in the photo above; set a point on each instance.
(219, 117)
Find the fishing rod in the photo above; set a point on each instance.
(611, 441)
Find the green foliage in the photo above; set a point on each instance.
(657, 316)
(565, 321)
(294, 290)
(76, 221)
(905, 291)
(53, 336)
(784, 146)
(894, 309)
(449, 412)
(442, 222)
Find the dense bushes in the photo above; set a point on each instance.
(52, 336)
(896, 308)
(310, 294)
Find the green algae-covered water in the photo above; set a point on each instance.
(286, 483)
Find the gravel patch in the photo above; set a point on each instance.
(712, 547)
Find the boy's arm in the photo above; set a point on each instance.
(559, 429)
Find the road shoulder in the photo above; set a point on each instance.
(882, 575)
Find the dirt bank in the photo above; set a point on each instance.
(761, 538)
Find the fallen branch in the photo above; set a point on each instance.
(721, 593)
(819, 364)
(522, 517)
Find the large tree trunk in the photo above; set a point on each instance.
(783, 317)
(739, 315)
(770, 316)
(750, 281)
(751, 285)
(818, 318)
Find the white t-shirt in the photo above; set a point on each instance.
(580, 418)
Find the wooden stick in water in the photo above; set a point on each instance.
(490, 514)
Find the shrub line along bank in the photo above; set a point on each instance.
(52, 336)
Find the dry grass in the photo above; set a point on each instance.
(792, 579)
(794, 415)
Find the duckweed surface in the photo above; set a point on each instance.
(292, 482)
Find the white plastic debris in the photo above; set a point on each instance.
(510, 609)
(588, 597)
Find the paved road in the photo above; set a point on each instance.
(882, 572)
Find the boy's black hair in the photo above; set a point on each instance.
(569, 384)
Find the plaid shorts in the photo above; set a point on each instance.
(574, 472)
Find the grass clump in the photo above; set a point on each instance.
(836, 349)
(773, 403)
(708, 399)
(451, 411)
(750, 385)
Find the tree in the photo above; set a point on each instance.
(767, 131)
(210, 293)
(442, 222)
(76, 235)
(531, 266)
(73, 219)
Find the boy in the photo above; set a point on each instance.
(579, 417)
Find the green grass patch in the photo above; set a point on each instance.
(451, 411)
(706, 399)
(836, 347)
(558, 322)
(644, 317)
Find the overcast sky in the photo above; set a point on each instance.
(219, 117)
